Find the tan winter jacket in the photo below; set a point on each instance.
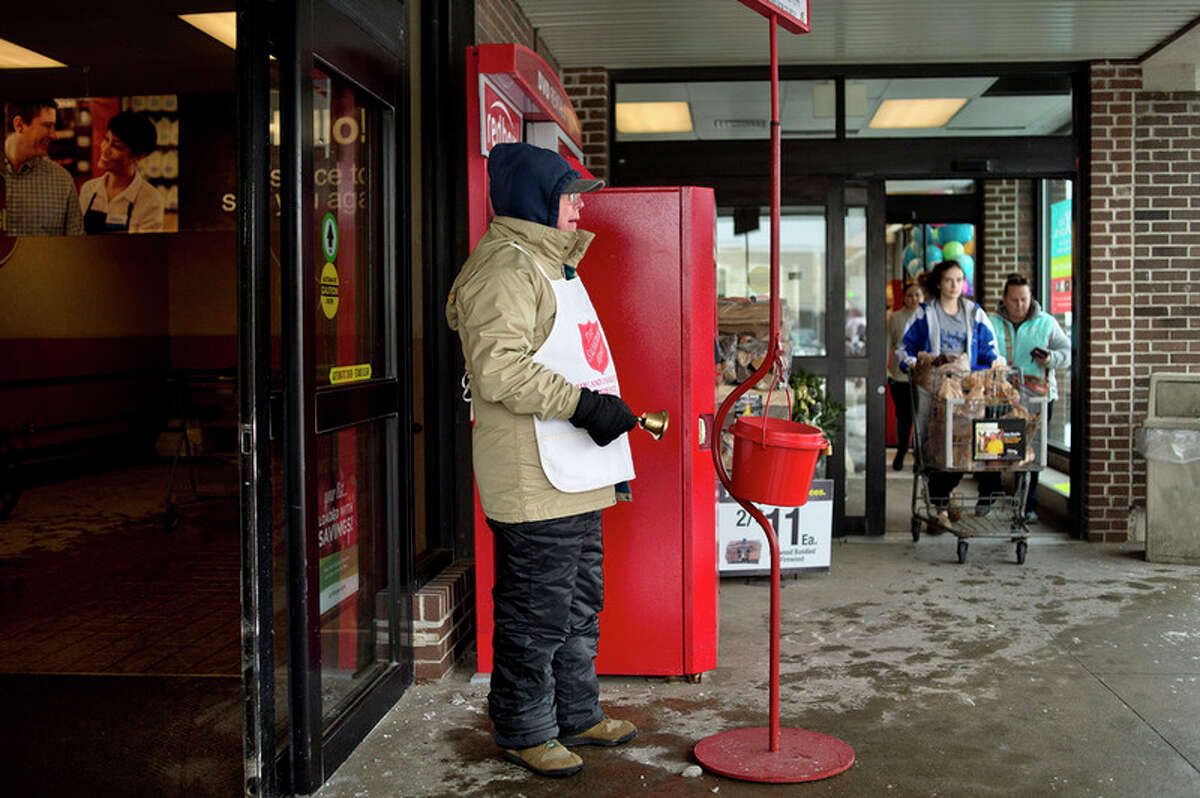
(503, 308)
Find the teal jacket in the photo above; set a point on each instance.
(1038, 330)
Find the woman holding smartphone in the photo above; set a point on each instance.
(1031, 340)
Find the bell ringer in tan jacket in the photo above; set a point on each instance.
(503, 309)
(548, 444)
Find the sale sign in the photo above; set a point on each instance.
(1060, 257)
(804, 533)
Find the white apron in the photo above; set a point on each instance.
(577, 349)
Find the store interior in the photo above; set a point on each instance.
(119, 543)
(1018, 218)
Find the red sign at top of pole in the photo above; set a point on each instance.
(792, 14)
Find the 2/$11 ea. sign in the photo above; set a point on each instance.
(791, 14)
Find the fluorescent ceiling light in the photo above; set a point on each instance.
(668, 117)
(221, 25)
(932, 112)
(825, 99)
(14, 56)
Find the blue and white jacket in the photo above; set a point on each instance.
(922, 334)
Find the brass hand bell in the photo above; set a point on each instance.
(655, 423)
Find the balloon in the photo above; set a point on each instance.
(933, 254)
(913, 267)
(913, 250)
(968, 266)
(932, 235)
(961, 233)
(952, 250)
(969, 247)
(917, 236)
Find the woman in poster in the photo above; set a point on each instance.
(120, 200)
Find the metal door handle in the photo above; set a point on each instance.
(704, 434)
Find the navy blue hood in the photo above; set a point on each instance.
(527, 181)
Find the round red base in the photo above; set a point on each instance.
(802, 755)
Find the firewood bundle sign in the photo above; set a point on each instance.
(804, 534)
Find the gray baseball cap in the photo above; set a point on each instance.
(582, 185)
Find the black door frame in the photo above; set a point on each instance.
(366, 46)
(254, 397)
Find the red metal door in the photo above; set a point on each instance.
(651, 276)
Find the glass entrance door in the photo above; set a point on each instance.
(344, 422)
(865, 379)
(831, 261)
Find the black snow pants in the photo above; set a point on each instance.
(547, 597)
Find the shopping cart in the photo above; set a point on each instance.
(982, 422)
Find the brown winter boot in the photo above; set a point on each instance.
(550, 758)
(607, 732)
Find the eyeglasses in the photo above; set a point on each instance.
(575, 199)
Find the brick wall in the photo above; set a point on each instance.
(503, 21)
(500, 21)
(443, 620)
(588, 89)
(1008, 237)
(1145, 275)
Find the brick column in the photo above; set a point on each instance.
(1165, 281)
(1108, 456)
(443, 620)
(588, 89)
(1008, 237)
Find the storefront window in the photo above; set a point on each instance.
(880, 107)
(349, 316)
(717, 110)
(1025, 105)
(856, 446)
(353, 580)
(744, 265)
(856, 282)
(1057, 277)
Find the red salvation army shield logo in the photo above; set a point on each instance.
(594, 349)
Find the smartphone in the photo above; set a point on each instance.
(1039, 353)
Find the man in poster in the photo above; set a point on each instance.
(40, 198)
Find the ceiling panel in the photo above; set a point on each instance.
(624, 34)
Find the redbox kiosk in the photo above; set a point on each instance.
(651, 277)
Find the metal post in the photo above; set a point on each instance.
(773, 349)
(738, 753)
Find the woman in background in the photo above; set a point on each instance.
(1031, 340)
(947, 326)
(897, 379)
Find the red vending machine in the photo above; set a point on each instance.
(651, 277)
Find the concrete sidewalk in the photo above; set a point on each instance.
(1077, 673)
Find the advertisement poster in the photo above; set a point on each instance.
(1060, 257)
(804, 534)
(1002, 439)
(337, 537)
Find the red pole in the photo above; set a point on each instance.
(776, 156)
(738, 753)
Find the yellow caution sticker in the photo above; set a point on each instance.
(329, 290)
(341, 374)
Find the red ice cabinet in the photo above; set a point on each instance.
(651, 276)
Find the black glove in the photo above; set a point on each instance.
(604, 416)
